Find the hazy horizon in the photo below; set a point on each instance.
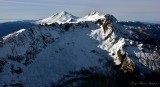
(124, 10)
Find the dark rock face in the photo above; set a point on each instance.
(2, 63)
(128, 66)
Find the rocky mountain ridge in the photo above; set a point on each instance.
(48, 51)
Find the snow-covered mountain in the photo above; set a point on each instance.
(63, 43)
(62, 17)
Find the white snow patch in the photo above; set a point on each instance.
(13, 34)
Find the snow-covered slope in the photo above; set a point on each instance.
(44, 53)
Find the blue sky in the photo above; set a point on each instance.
(134, 10)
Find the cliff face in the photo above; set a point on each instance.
(47, 51)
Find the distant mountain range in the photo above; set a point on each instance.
(9, 27)
(92, 51)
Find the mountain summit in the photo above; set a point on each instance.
(61, 52)
(93, 13)
(92, 16)
(61, 17)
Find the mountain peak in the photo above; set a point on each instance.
(93, 13)
(92, 16)
(64, 12)
(61, 17)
